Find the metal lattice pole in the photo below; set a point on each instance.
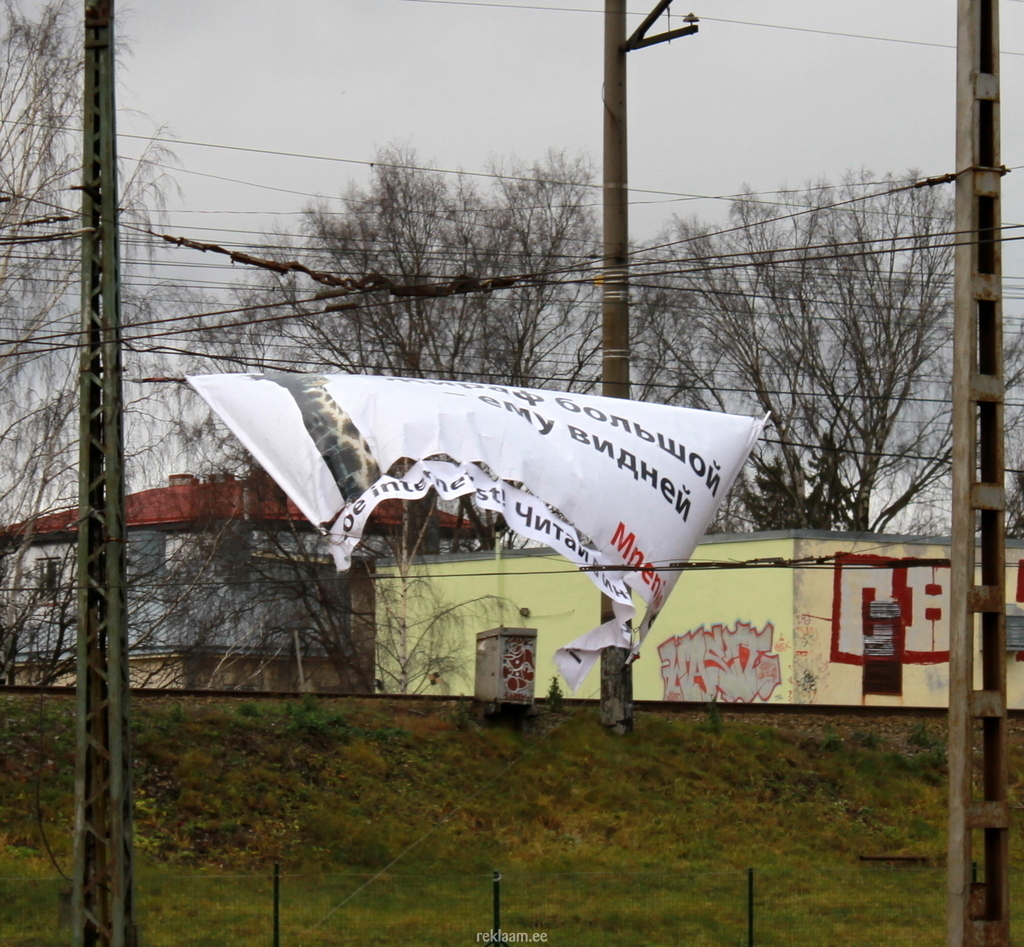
(978, 912)
(103, 826)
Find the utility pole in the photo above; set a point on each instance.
(102, 898)
(616, 671)
(978, 912)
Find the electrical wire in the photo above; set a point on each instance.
(536, 279)
(150, 586)
(804, 211)
(801, 212)
(674, 195)
(703, 19)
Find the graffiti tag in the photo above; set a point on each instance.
(721, 663)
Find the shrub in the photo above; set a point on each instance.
(831, 741)
(556, 699)
(922, 737)
(713, 724)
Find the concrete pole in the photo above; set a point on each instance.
(615, 279)
(616, 671)
(978, 913)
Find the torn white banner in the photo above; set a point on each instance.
(640, 481)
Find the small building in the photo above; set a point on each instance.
(228, 587)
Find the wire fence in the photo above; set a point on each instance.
(861, 907)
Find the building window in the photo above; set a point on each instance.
(883, 648)
(1015, 632)
(48, 575)
(147, 554)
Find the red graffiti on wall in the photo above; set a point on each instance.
(721, 663)
(517, 665)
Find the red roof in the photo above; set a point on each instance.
(188, 500)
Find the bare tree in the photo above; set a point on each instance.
(421, 635)
(835, 318)
(240, 592)
(40, 147)
(416, 226)
(545, 331)
(39, 103)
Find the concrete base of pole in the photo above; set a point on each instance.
(617, 690)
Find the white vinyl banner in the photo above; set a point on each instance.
(607, 483)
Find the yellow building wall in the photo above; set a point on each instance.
(831, 621)
(702, 617)
(724, 634)
(833, 658)
(805, 635)
(540, 590)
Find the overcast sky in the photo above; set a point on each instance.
(766, 94)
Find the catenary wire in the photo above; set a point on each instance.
(530, 279)
(709, 19)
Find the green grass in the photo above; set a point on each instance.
(610, 909)
(602, 840)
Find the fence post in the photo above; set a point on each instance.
(277, 905)
(750, 907)
(496, 937)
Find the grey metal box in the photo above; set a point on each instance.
(506, 665)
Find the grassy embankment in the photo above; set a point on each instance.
(345, 786)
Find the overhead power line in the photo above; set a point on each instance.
(909, 184)
(824, 562)
(495, 175)
(596, 264)
(705, 19)
(346, 286)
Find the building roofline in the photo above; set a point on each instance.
(186, 501)
(713, 539)
(846, 535)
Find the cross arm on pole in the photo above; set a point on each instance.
(639, 38)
